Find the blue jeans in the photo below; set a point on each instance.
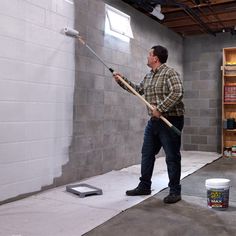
(157, 134)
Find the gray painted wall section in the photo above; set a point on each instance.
(108, 122)
(202, 83)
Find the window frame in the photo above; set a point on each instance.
(113, 26)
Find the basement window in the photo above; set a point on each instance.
(118, 24)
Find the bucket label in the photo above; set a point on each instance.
(218, 198)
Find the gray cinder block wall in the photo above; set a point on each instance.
(37, 72)
(108, 122)
(202, 83)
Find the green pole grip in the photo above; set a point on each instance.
(177, 131)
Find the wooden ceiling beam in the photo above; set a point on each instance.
(191, 19)
(214, 27)
(213, 3)
(206, 10)
(230, 16)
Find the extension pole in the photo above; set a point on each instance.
(177, 131)
(75, 34)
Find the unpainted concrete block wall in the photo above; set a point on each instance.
(37, 72)
(109, 122)
(202, 83)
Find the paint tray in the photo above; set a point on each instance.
(83, 190)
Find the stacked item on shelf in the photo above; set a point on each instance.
(230, 151)
(231, 124)
(230, 89)
(233, 151)
(230, 93)
(230, 68)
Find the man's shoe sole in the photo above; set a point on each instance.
(137, 192)
(172, 201)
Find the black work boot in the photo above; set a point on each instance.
(172, 198)
(138, 191)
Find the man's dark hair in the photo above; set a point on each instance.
(161, 53)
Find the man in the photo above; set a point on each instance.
(162, 88)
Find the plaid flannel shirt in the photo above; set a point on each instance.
(162, 88)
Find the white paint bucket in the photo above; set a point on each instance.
(218, 193)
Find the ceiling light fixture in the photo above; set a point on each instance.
(157, 12)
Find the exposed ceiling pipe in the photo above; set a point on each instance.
(149, 5)
(215, 15)
(200, 10)
(195, 17)
(192, 13)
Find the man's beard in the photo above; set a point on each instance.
(148, 64)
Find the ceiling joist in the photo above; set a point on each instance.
(186, 17)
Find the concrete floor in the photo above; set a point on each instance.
(57, 212)
(189, 217)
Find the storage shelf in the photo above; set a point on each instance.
(230, 84)
(228, 69)
(230, 130)
(230, 103)
(230, 76)
(229, 157)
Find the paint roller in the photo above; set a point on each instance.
(75, 34)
